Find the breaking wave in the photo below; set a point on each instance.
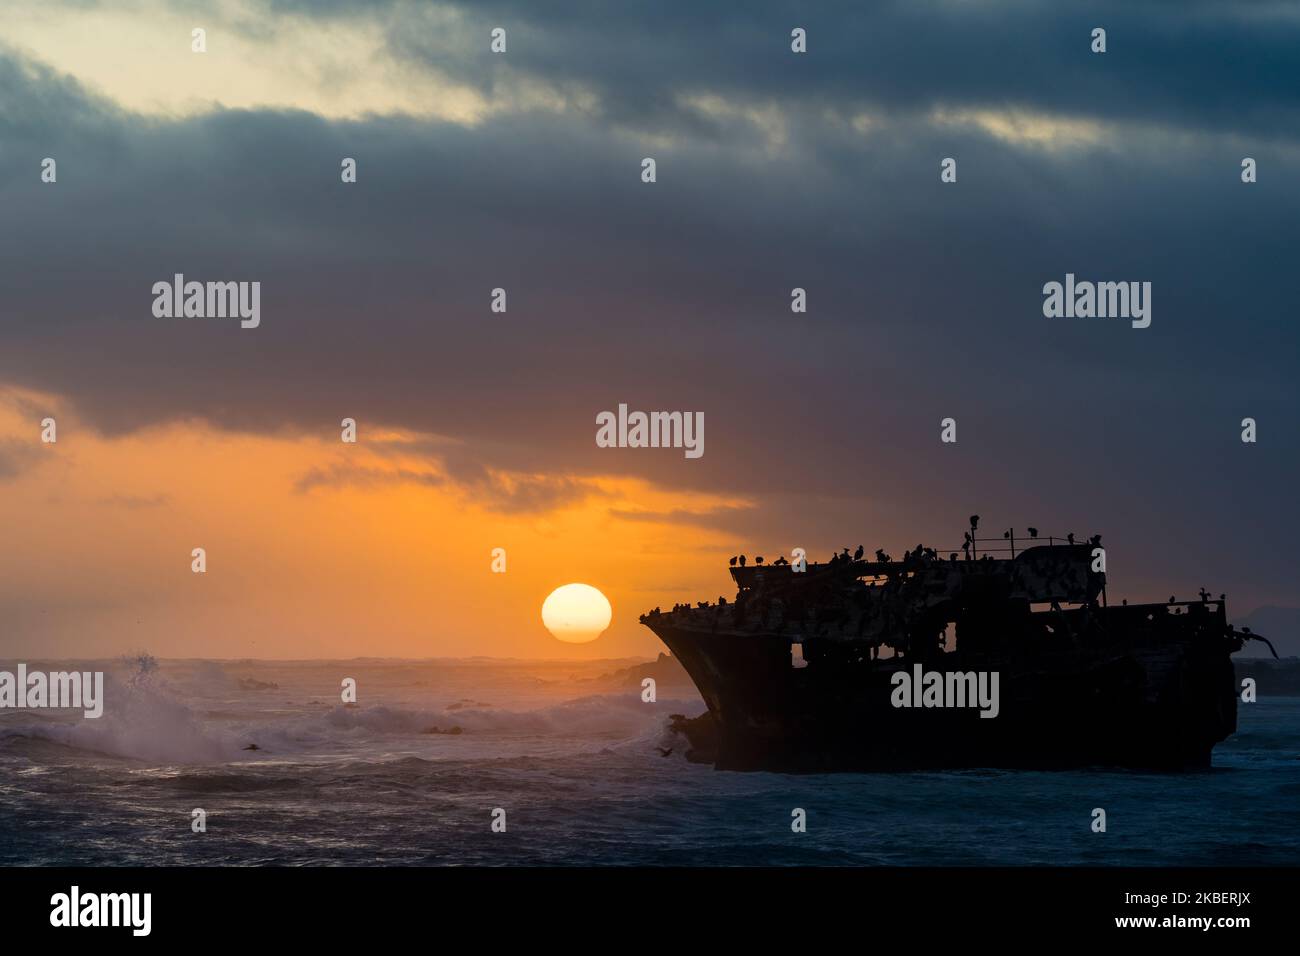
(142, 720)
(147, 719)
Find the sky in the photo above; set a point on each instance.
(522, 170)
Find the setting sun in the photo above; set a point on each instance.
(576, 613)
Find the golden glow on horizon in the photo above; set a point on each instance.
(383, 553)
(576, 613)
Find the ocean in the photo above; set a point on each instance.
(584, 770)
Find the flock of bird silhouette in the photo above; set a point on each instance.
(920, 552)
(929, 554)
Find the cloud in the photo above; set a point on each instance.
(774, 172)
(16, 457)
(730, 518)
(357, 476)
(136, 502)
(492, 490)
(642, 67)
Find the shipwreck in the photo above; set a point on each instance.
(803, 671)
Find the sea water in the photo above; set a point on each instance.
(585, 771)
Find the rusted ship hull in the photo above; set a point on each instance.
(1137, 687)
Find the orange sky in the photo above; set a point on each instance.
(386, 557)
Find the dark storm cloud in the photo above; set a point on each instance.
(925, 299)
(1203, 65)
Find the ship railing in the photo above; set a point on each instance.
(1010, 544)
(1005, 547)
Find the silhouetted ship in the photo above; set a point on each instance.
(831, 667)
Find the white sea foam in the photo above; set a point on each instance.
(202, 715)
(142, 720)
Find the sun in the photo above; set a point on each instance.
(576, 613)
